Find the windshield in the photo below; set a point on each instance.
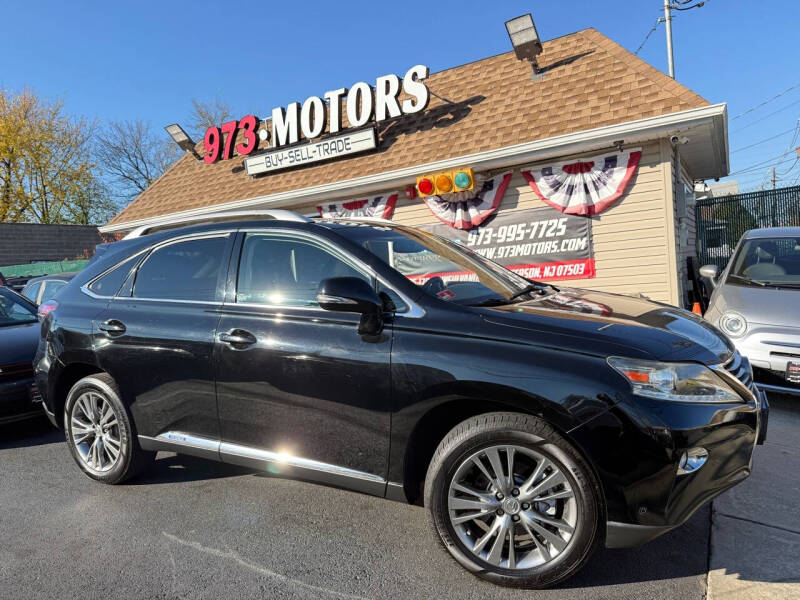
(14, 310)
(767, 261)
(442, 268)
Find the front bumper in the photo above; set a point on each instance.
(15, 401)
(770, 348)
(636, 448)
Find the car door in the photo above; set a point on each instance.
(299, 390)
(156, 336)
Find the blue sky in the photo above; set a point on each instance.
(147, 60)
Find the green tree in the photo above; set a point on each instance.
(46, 171)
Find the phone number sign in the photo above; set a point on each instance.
(537, 243)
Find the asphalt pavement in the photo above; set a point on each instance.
(192, 528)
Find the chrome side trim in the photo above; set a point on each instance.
(276, 463)
(184, 443)
(328, 299)
(228, 450)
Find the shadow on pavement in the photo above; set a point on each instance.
(31, 432)
(683, 552)
(177, 468)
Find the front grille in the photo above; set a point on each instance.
(15, 371)
(739, 367)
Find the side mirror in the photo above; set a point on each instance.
(710, 272)
(352, 294)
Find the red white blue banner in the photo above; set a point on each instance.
(376, 206)
(584, 186)
(465, 210)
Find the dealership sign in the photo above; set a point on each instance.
(537, 243)
(295, 156)
(362, 105)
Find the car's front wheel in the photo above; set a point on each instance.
(100, 433)
(513, 501)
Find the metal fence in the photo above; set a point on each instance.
(722, 221)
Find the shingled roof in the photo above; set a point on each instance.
(589, 81)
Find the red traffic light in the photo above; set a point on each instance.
(425, 186)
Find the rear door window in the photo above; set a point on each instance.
(109, 284)
(185, 270)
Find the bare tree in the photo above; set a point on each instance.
(132, 157)
(208, 113)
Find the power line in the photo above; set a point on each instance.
(756, 107)
(756, 166)
(765, 140)
(767, 116)
(649, 33)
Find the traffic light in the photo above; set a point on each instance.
(449, 182)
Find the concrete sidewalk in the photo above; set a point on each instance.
(755, 527)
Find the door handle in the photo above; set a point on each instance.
(238, 338)
(112, 327)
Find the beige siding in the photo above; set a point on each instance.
(631, 239)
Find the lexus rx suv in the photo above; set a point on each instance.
(535, 424)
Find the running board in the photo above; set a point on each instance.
(274, 463)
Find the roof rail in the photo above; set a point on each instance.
(236, 215)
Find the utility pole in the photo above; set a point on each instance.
(773, 178)
(668, 21)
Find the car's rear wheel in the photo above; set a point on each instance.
(513, 501)
(100, 433)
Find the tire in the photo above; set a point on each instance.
(545, 553)
(94, 410)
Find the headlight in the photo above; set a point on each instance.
(679, 382)
(733, 323)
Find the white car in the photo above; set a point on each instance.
(756, 302)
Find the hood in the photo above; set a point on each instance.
(764, 305)
(18, 343)
(611, 324)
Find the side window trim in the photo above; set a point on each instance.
(414, 311)
(290, 234)
(188, 238)
(142, 255)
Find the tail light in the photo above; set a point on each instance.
(46, 308)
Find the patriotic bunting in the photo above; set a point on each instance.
(465, 210)
(584, 186)
(377, 206)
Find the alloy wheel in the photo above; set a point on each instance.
(94, 429)
(512, 507)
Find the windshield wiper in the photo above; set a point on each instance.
(783, 284)
(533, 287)
(753, 281)
(492, 302)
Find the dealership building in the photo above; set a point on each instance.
(578, 165)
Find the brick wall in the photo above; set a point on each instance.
(22, 243)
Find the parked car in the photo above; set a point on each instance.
(41, 289)
(755, 302)
(19, 336)
(536, 424)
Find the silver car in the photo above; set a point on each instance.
(756, 302)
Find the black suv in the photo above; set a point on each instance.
(534, 423)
